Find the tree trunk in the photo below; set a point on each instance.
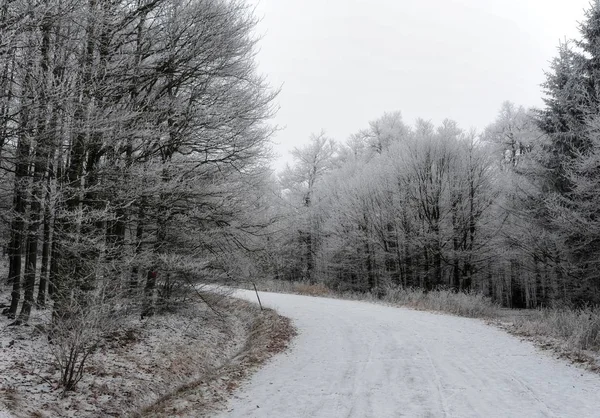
(41, 297)
(53, 274)
(310, 265)
(371, 278)
(40, 165)
(71, 269)
(148, 308)
(15, 247)
(33, 233)
(455, 266)
(7, 84)
(139, 235)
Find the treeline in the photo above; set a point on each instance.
(133, 149)
(512, 212)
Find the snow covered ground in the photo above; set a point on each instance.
(355, 359)
(146, 360)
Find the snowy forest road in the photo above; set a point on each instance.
(356, 359)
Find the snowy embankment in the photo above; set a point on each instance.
(356, 359)
(144, 366)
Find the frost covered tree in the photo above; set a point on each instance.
(568, 151)
(416, 212)
(300, 182)
(126, 121)
(513, 133)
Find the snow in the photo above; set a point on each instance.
(160, 354)
(355, 359)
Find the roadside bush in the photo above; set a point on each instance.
(311, 289)
(77, 331)
(469, 304)
(579, 329)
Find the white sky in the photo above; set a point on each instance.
(342, 63)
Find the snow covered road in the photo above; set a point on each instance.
(355, 359)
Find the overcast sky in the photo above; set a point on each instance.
(342, 63)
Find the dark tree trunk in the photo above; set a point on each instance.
(371, 279)
(71, 269)
(41, 297)
(15, 246)
(53, 274)
(456, 267)
(7, 83)
(310, 264)
(47, 237)
(32, 244)
(437, 262)
(517, 296)
(468, 267)
(36, 196)
(148, 308)
(390, 242)
(436, 278)
(425, 281)
(139, 235)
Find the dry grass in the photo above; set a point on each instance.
(10, 397)
(299, 288)
(312, 289)
(468, 304)
(577, 329)
(269, 334)
(138, 363)
(573, 334)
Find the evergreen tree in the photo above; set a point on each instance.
(568, 204)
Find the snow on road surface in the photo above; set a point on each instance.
(355, 359)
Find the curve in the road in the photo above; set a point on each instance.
(356, 359)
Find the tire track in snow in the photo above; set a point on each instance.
(354, 359)
(438, 382)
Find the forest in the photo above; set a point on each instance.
(135, 148)
(510, 212)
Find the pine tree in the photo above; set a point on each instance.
(568, 154)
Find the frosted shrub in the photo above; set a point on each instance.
(468, 304)
(579, 328)
(77, 331)
(284, 286)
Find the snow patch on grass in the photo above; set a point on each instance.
(270, 334)
(573, 333)
(468, 304)
(137, 364)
